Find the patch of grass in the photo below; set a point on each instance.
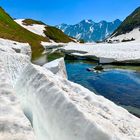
(55, 55)
(56, 35)
(9, 29)
(31, 22)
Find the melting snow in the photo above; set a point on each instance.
(35, 28)
(117, 52)
(135, 34)
(57, 108)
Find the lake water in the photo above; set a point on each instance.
(120, 84)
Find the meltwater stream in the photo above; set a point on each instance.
(120, 84)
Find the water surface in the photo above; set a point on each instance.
(120, 84)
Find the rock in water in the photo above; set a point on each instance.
(99, 67)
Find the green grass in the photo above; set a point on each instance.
(131, 22)
(55, 55)
(31, 22)
(56, 35)
(9, 29)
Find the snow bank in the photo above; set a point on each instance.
(121, 52)
(135, 34)
(14, 56)
(52, 44)
(14, 64)
(13, 46)
(13, 123)
(62, 110)
(57, 108)
(57, 67)
(35, 28)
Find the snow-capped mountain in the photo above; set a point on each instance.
(89, 30)
(129, 30)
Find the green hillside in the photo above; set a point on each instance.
(9, 29)
(31, 22)
(131, 22)
(51, 32)
(56, 35)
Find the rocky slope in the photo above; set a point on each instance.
(129, 30)
(89, 30)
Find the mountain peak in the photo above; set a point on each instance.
(118, 20)
(87, 21)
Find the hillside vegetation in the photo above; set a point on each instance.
(57, 35)
(131, 22)
(51, 32)
(31, 22)
(9, 29)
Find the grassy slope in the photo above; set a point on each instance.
(57, 35)
(51, 32)
(31, 22)
(131, 22)
(9, 29)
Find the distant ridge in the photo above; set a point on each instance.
(89, 30)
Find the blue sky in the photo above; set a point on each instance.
(69, 11)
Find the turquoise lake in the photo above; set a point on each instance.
(120, 84)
